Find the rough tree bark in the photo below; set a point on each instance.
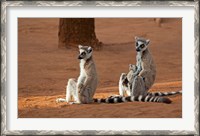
(75, 31)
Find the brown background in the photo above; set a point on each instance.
(43, 69)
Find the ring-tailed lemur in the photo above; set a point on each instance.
(145, 68)
(142, 76)
(83, 90)
(139, 79)
(126, 80)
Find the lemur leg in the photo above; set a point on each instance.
(138, 87)
(71, 91)
(128, 92)
(122, 88)
(86, 96)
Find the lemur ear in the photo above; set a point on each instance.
(89, 49)
(80, 46)
(147, 41)
(136, 38)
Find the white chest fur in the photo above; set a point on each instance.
(82, 76)
(139, 58)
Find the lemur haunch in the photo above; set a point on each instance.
(84, 88)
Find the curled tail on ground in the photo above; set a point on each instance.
(163, 93)
(120, 99)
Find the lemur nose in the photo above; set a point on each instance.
(137, 49)
(79, 57)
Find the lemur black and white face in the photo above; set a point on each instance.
(85, 52)
(141, 44)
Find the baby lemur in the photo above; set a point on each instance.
(84, 88)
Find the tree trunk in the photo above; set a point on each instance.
(158, 21)
(75, 31)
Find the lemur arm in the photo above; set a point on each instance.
(137, 71)
(81, 80)
(143, 71)
(138, 65)
(88, 78)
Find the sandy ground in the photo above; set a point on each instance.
(44, 69)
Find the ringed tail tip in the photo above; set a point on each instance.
(165, 100)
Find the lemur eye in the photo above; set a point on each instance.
(83, 53)
(136, 44)
(90, 50)
(142, 45)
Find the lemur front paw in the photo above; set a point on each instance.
(114, 96)
(143, 78)
(80, 86)
(70, 103)
(60, 100)
(132, 67)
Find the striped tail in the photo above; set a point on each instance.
(163, 93)
(120, 99)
